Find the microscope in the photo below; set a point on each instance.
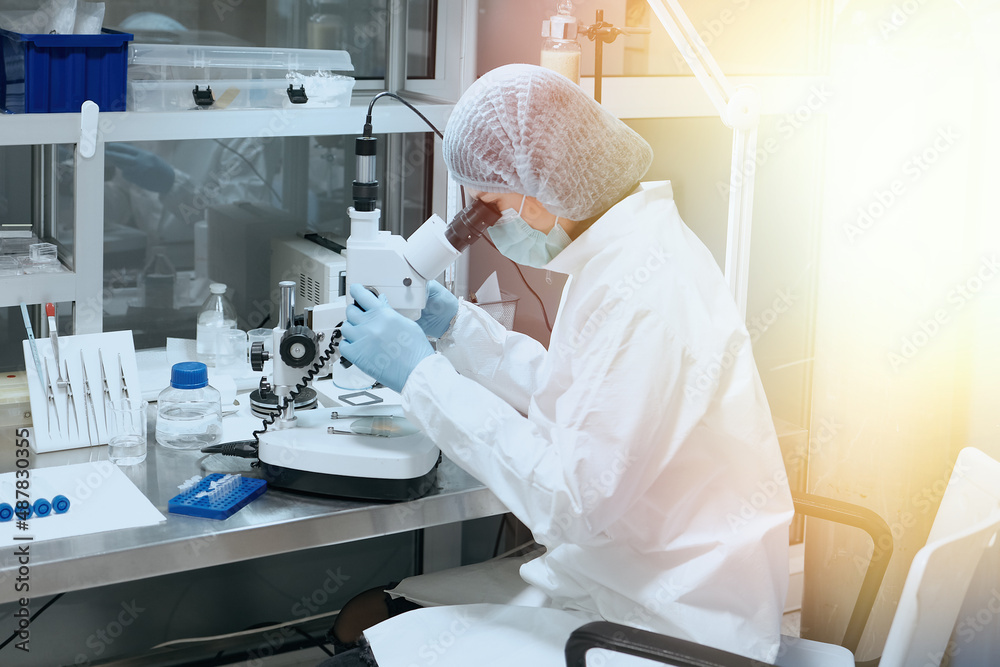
(374, 456)
(382, 456)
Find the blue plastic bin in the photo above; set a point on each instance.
(58, 73)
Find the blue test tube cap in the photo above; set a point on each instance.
(189, 375)
(42, 507)
(60, 504)
(24, 511)
(6, 512)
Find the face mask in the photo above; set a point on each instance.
(520, 242)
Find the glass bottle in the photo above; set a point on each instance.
(325, 28)
(216, 316)
(561, 51)
(158, 279)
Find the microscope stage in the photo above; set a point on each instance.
(307, 458)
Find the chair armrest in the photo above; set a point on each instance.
(876, 527)
(650, 645)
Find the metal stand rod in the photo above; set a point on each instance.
(598, 59)
(286, 308)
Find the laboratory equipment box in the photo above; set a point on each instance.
(58, 73)
(174, 77)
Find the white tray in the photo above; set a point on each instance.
(64, 423)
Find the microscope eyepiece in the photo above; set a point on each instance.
(471, 223)
(365, 190)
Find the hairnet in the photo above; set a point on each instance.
(529, 130)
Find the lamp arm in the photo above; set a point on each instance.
(739, 109)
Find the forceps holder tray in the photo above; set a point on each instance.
(69, 418)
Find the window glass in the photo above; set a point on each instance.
(421, 39)
(360, 28)
(207, 211)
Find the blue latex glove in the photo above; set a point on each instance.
(146, 170)
(441, 308)
(380, 341)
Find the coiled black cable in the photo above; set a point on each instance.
(249, 449)
(301, 384)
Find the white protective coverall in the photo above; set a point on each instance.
(639, 449)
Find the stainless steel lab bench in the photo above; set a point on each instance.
(278, 522)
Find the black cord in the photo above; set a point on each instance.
(301, 384)
(33, 618)
(368, 118)
(368, 132)
(315, 641)
(496, 545)
(545, 313)
(541, 304)
(249, 164)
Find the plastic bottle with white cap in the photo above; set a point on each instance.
(561, 51)
(216, 315)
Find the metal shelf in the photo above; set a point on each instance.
(39, 288)
(64, 128)
(39, 128)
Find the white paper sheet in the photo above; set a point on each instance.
(489, 292)
(101, 498)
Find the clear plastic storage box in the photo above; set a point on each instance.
(174, 77)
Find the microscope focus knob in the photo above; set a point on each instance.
(258, 355)
(298, 347)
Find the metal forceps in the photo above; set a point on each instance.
(71, 402)
(50, 399)
(105, 388)
(121, 371)
(88, 398)
(337, 415)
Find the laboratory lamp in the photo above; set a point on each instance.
(739, 108)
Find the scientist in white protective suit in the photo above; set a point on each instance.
(638, 448)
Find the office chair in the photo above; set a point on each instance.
(965, 525)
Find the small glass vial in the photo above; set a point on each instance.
(189, 411)
(158, 279)
(216, 316)
(561, 51)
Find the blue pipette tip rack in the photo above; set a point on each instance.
(217, 496)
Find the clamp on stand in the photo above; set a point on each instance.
(602, 33)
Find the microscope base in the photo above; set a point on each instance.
(307, 458)
(361, 488)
